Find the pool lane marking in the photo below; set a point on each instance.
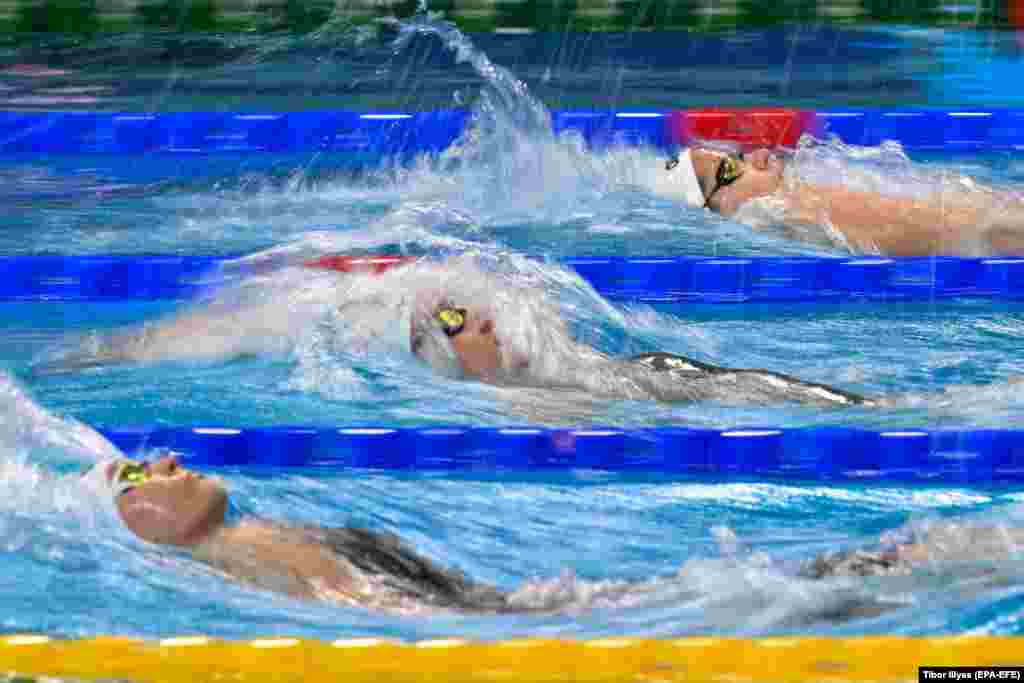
(186, 641)
(442, 642)
(268, 643)
(366, 431)
(747, 433)
(26, 640)
(364, 642)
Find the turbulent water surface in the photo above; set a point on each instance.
(608, 554)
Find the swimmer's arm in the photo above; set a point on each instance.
(201, 334)
(899, 226)
(966, 543)
(944, 543)
(186, 336)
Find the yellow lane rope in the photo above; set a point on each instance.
(188, 659)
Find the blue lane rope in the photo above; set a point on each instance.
(670, 280)
(821, 453)
(366, 137)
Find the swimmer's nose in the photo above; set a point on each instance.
(166, 465)
(416, 343)
(760, 158)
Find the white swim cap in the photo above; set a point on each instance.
(678, 180)
(687, 178)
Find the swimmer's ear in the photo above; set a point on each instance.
(487, 326)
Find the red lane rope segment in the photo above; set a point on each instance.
(771, 127)
(374, 265)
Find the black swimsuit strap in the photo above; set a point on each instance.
(384, 555)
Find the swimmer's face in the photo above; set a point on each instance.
(477, 346)
(468, 332)
(760, 174)
(170, 504)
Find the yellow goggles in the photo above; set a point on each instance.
(127, 475)
(451, 320)
(728, 172)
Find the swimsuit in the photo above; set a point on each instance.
(702, 380)
(385, 558)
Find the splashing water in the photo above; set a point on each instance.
(529, 115)
(326, 320)
(507, 179)
(714, 558)
(345, 337)
(27, 427)
(701, 554)
(509, 174)
(885, 169)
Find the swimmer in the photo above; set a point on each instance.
(466, 339)
(490, 334)
(165, 504)
(969, 223)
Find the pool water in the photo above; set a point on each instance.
(947, 364)
(710, 556)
